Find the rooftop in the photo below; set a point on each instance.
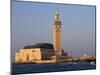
(39, 45)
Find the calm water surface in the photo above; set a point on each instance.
(39, 68)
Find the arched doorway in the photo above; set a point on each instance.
(27, 57)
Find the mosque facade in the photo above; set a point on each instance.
(44, 51)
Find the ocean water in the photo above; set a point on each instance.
(40, 68)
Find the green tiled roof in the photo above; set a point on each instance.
(40, 45)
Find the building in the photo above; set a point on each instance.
(86, 57)
(57, 35)
(39, 51)
(44, 51)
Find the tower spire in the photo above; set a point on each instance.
(57, 17)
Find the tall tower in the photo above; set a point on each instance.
(57, 35)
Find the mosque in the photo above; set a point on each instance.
(45, 51)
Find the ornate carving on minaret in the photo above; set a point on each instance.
(57, 34)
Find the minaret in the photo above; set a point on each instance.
(57, 35)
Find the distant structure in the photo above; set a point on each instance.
(86, 57)
(41, 52)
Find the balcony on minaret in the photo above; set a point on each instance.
(57, 23)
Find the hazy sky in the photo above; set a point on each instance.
(33, 23)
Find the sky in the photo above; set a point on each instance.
(32, 22)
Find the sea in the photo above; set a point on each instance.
(42, 68)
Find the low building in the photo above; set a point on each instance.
(86, 57)
(39, 51)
